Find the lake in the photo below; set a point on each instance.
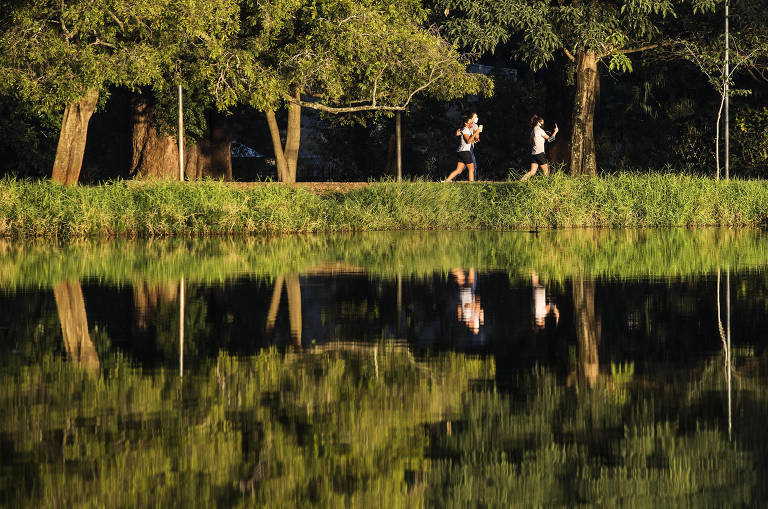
(410, 369)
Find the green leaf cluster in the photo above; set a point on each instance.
(538, 29)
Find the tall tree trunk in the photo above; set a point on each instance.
(72, 138)
(286, 156)
(74, 325)
(587, 329)
(154, 155)
(211, 156)
(582, 134)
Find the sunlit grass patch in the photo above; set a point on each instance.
(45, 209)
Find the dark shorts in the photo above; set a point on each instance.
(539, 159)
(464, 157)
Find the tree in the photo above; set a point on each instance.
(587, 32)
(344, 56)
(61, 55)
(204, 58)
(748, 55)
(66, 55)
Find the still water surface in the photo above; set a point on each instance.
(387, 370)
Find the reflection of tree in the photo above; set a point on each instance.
(331, 427)
(293, 290)
(74, 324)
(147, 298)
(587, 326)
(287, 429)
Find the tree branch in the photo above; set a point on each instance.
(117, 20)
(376, 84)
(67, 34)
(432, 79)
(373, 106)
(569, 55)
(341, 109)
(99, 42)
(641, 48)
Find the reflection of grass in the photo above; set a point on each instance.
(553, 254)
(170, 208)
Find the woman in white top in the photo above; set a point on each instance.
(538, 156)
(468, 137)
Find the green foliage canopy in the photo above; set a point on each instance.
(52, 53)
(540, 28)
(367, 55)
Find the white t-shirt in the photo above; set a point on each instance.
(463, 145)
(537, 135)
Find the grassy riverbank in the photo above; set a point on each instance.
(45, 209)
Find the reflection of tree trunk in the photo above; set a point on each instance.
(74, 325)
(587, 329)
(274, 304)
(72, 138)
(146, 299)
(293, 289)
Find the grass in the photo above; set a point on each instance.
(48, 210)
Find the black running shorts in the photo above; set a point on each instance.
(464, 157)
(539, 159)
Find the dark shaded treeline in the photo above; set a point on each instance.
(660, 116)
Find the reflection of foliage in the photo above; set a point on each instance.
(556, 446)
(554, 255)
(325, 430)
(371, 426)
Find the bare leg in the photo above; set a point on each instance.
(534, 167)
(545, 169)
(456, 172)
(471, 167)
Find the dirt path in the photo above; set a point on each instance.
(317, 187)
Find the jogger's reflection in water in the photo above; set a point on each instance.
(540, 306)
(469, 311)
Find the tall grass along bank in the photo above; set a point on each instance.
(45, 209)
